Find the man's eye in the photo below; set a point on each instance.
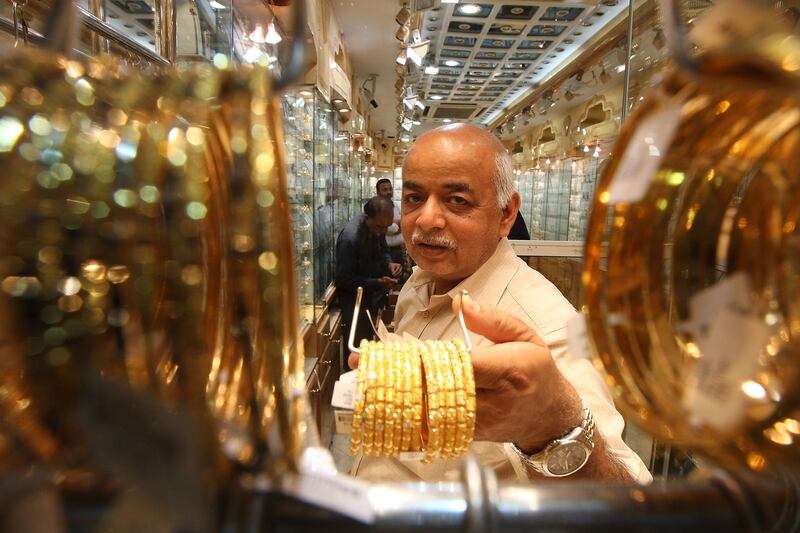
(411, 198)
(458, 200)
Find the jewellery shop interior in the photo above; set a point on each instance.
(176, 175)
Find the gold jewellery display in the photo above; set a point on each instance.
(694, 310)
(413, 399)
(145, 252)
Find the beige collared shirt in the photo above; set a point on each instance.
(507, 283)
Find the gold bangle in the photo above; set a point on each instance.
(461, 401)
(401, 371)
(380, 398)
(417, 396)
(358, 408)
(369, 409)
(469, 392)
(433, 384)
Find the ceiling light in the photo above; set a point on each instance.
(436, 97)
(403, 15)
(447, 120)
(469, 9)
(273, 37)
(620, 68)
(337, 100)
(431, 70)
(452, 63)
(216, 5)
(417, 49)
(344, 110)
(258, 35)
(449, 1)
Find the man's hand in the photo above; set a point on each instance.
(386, 282)
(522, 397)
(396, 269)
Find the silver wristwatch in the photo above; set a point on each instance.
(566, 455)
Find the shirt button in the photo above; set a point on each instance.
(426, 314)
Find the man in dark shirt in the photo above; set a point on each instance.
(362, 260)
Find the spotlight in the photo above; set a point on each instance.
(403, 15)
(273, 37)
(402, 34)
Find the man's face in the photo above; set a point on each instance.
(385, 190)
(378, 224)
(451, 221)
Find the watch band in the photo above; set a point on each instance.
(583, 434)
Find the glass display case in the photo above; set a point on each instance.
(342, 180)
(320, 192)
(298, 124)
(582, 184)
(556, 207)
(126, 28)
(323, 201)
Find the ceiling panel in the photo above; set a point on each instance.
(494, 51)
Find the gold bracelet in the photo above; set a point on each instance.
(401, 371)
(459, 371)
(380, 398)
(358, 408)
(434, 383)
(469, 391)
(403, 388)
(369, 409)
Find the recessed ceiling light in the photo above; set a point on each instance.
(469, 9)
(436, 97)
(451, 63)
(447, 120)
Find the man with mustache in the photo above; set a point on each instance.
(541, 412)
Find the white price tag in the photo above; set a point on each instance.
(643, 154)
(411, 456)
(730, 337)
(344, 421)
(338, 493)
(578, 337)
(344, 391)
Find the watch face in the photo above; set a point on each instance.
(567, 458)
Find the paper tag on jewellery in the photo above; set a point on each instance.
(343, 420)
(338, 493)
(578, 337)
(411, 456)
(730, 338)
(644, 153)
(344, 391)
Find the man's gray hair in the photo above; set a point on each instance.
(504, 178)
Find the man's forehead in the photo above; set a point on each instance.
(450, 185)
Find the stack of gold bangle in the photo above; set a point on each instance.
(392, 396)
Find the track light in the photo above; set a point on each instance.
(402, 34)
(273, 37)
(403, 15)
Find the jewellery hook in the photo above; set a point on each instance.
(354, 322)
(464, 330)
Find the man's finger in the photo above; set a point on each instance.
(491, 364)
(352, 360)
(495, 325)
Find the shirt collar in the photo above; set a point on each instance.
(485, 284)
